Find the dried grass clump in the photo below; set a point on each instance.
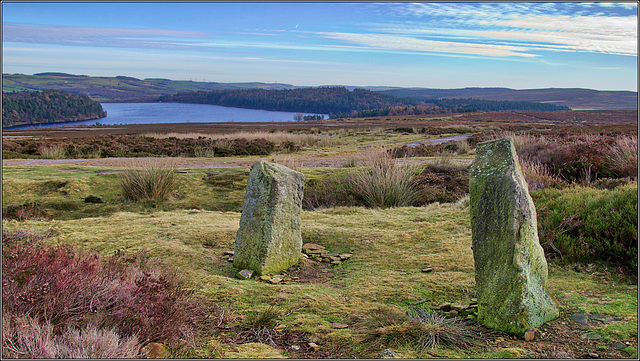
(386, 183)
(53, 151)
(424, 329)
(149, 180)
(26, 337)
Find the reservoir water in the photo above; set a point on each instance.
(155, 113)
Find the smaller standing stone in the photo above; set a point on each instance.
(269, 239)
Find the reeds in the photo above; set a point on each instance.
(150, 179)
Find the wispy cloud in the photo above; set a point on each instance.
(396, 42)
(528, 27)
(102, 37)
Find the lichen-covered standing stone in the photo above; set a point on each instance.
(511, 271)
(269, 238)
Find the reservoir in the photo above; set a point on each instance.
(156, 113)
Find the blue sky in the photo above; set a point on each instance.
(434, 45)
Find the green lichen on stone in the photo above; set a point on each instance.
(269, 238)
(511, 271)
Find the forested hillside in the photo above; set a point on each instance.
(50, 106)
(329, 100)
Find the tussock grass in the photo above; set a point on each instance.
(148, 180)
(386, 183)
(54, 151)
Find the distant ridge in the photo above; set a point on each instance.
(574, 98)
(129, 89)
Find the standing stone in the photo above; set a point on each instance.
(269, 238)
(511, 271)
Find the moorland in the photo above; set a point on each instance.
(148, 272)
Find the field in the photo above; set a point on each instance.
(407, 288)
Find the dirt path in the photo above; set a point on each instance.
(197, 163)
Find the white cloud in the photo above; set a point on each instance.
(396, 42)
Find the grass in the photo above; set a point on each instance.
(373, 292)
(149, 180)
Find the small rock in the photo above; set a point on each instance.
(317, 258)
(531, 334)
(295, 347)
(445, 306)
(387, 354)
(313, 345)
(427, 270)
(593, 355)
(315, 251)
(228, 253)
(153, 350)
(265, 278)
(345, 256)
(334, 258)
(326, 260)
(562, 355)
(93, 199)
(619, 345)
(591, 336)
(245, 274)
(230, 259)
(336, 262)
(275, 280)
(339, 325)
(402, 273)
(311, 246)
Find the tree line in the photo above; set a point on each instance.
(49, 106)
(339, 102)
(324, 100)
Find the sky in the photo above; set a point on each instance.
(425, 44)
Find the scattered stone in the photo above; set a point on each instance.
(581, 318)
(311, 246)
(345, 256)
(531, 334)
(269, 238)
(511, 271)
(339, 325)
(402, 273)
(619, 345)
(265, 278)
(275, 280)
(593, 355)
(427, 270)
(335, 263)
(93, 199)
(295, 347)
(230, 259)
(459, 307)
(228, 253)
(313, 345)
(387, 354)
(604, 319)
(593, 336)
(153, 350)
(245, 274)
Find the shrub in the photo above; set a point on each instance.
(86, 298)
(442, 182)
(150, 180)
(29, 210)
(584, 224)
(332, 191)
(386, 183)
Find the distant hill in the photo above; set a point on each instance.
(574, 98)
(128, 89)
(119, 88)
